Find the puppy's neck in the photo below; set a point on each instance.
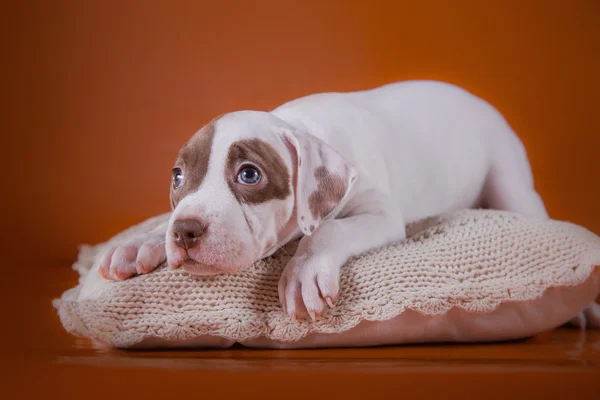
(288, 233)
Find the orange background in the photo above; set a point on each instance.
(100, 95)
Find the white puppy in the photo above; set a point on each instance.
(344, 171)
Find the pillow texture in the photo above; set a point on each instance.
(468, 276)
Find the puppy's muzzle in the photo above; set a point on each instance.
(187, 233)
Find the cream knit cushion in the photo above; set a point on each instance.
(473, 275)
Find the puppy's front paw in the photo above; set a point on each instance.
(139, 255)
(307, 285)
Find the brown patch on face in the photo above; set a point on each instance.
(193, 161)
(275, 178)
(329, 193)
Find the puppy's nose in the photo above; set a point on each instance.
(187, 232)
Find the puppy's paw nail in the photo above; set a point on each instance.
(312, 315)
(329, 301)
(118, 275)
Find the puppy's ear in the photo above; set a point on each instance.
(324, 179)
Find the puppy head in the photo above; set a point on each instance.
(242, 185)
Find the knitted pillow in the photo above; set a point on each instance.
(468, 276)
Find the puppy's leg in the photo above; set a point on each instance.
(509, 184)
(311, 278)
(509, 187)
(139, 255)
(505, 190)
(588, 318)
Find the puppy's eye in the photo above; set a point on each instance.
(249, 176)
(177, 177)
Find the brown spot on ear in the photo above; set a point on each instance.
(275, 181)
(329, 193)
(193, 160)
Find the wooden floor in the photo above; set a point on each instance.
(41, 360)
